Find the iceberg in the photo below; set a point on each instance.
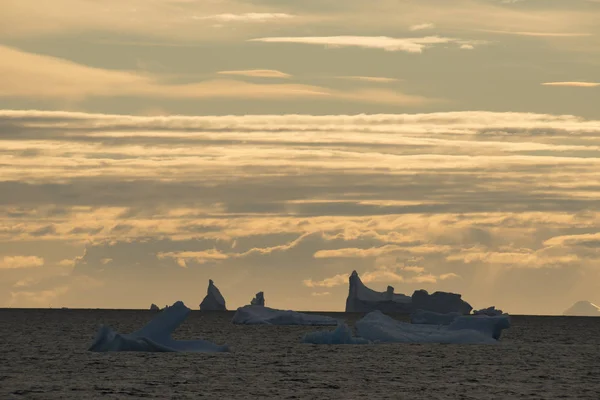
(258, 300)
(259, 315)
(214, 300)
(433, 318)
(341, 335)
(440, 302)
(583, 309)
(363, 299)
(378, 327)
(490, 311)
(154, 307)
(155, 336)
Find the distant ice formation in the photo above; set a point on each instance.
(258, 300)
(362, 299)
(341, 335)
(378, 327)
(440, 302)
(259, 315)
(155, 336)
(583, 309)
(433, 318)
(154, 307)
(490, 311)
(214, 300)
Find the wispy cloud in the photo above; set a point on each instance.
(539, 34)
(18, 262)
(572, 84)
(376, 79)
(409, 45)
(246, 17)
(257, 73)
(420, 27)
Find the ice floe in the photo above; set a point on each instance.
(341, 335)
(432, 318)
(259, 315)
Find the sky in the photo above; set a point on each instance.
(147, 146)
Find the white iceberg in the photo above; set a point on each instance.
(214, 300)
(363, 299)
(258, 300)
(259, 315)
(341, 335)
(583, 309)
(440, 302)
(490, 311)
(155, 336)
(154, 307)
(378, 327)
(433, 318)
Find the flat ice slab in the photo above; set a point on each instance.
(258, 315)
(378, 327)
(341, 335)
(433, 318)
(490, 311)
(155, 336)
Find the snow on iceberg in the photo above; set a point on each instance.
(341, 335)
(490, 311)
(583, 309)
(155, 336)
(363, 299)
(258, 300)
(440, 302)
(259, 315)
(433, 318)
(154, 307)
(214, 300)
(378, 327)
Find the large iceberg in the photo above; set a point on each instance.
(440, 302)
(155, 336)
(258, 300)
(583, 309)
(490, 311)
(378, 327)
(341, 335)
(433, 318)
(362, 299)
(259, 315)
(214, 300)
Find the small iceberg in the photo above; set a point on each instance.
(378, 327)
(433, 318)
(214, 300)
(155, 336)
(490, 311)
(154, 307)
(258, 315)
(258, 300)
(341, 335)
(583, 309)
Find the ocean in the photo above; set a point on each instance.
(43, 355)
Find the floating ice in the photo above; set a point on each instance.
(155, 336)
(432, 318)
(440, 302)
(490, 311)
(258, 315)
(341, 335)
(154, 307)
(378, 327)
(214, 300)
(362, 299)
(258, 300)
(583, 309)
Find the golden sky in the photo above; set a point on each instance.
(147, 146)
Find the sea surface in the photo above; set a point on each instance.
(43, 355)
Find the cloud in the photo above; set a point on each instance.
(257, 73)
(320, 294)
(246, 17)
(26, 75)
(336, 280)
(420, 27)
(376, 79)
(409, 45)
(540, 34)
(572, 84)
(18, 262)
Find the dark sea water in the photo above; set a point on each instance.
(43, 356)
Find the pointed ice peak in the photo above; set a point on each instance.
(214, 300)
